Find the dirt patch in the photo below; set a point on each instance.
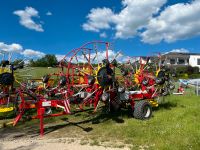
(48, 144)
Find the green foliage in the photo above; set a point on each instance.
(194, 76)
(181, 70)
(192, 70)
(183, 76)
(185, 72)
(46, 61)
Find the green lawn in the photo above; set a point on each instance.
(175, 125)
(34, 72)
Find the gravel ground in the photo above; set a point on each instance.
(49, 144)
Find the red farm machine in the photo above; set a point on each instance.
(94, 74)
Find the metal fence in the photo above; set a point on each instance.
(197, 88)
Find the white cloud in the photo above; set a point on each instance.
(11, 47)
(181, 50)
(49, 13)
(17, 48)
(145, 19)
(134, 16)
(32, 53)
(176, 22)
(60, 57)
(26, 18)
(103, 35)
(99, 18)
(26, 62)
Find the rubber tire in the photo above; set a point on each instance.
(6, 78)
(139, 110)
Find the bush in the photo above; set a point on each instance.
(185, 72)
(181, 70)
(192, 70)
(183, 76)
(196, 70)
(194, 76)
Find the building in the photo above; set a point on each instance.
(194, 60)
(176, 59)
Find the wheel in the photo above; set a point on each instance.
(91, 70)
(142, 110)
(6, 78)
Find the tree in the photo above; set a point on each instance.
(50, 60)
(46, 61)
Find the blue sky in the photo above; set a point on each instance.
(62, 29)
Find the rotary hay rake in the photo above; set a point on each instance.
(93, 74)
(83, 79)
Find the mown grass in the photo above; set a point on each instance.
(174, 125)
(34, 72)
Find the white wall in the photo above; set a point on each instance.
(193, 60)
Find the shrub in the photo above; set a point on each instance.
(194, 76)
(182, 69)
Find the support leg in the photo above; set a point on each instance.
(41, 117)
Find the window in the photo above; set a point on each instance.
(181, 61)
(198, 61)
(172, 61)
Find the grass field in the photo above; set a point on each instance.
(34, 72)
(174, 125)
